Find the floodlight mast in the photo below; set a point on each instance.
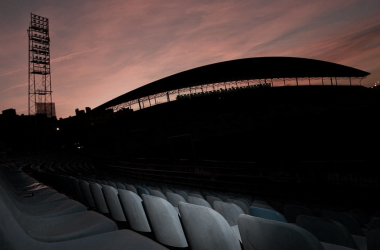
(39, 78)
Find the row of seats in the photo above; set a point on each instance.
(34, 216)
(208, 220)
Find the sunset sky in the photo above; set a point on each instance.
(102, 49)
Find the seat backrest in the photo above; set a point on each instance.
(244, 200)
(120, 186)
(133, 209)
(374, 223)
(328, 231)
(77, 191)
(206, 229)
(229, 211)
(85, 187)
(266, 214)
(254, 204)
(198, 201)
(182, 193)
(174, 198)
(373, 239)
(97, 194)
(131, 188)
(346, 220)
(224, 198)
(158, 194)
(260, 234)
(198, 195)
(291, 212)
(113, 202)
(141, 191)
(210, 199)
(112, 184)
(164, 221)
(241, 204)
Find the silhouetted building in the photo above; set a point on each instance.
(9, 112)
(79, 112)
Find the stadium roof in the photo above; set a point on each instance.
(238, 70)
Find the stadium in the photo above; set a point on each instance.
(205, 159)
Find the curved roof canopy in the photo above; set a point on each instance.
(241, 69)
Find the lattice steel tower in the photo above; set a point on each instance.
(39, 81)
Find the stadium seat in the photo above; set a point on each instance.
(328, 231)
(223, 197)
(133, 209)
(158, 194)
(230, 212)
(174, 199)
(240, 203)
(259, 234)
(182, 193)
(100, 202)
(78, 195)
(113, 203)
(266, 214)
(12, 236)
(206, 229)
(373, 239)
(112, 184)
(85, 187)
(141, 191)
(120, 186)
(131, 188)
(164, 221)
(198, 201)
(246, 201)
(374, 223)
(351, 224)
(210, 199)
(347, 220)
(262, 206)
(291, 212)
(198, 195)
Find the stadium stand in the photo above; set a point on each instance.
(193, 226)
(111, 198)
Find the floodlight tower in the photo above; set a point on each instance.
(39, 81)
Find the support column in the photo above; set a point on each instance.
(336, 82)
(331, 81)
(309, 81)
(150, 105)
(350, 82)
(297, 81)
(167, 95)
(284, 81)
(139, 103)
